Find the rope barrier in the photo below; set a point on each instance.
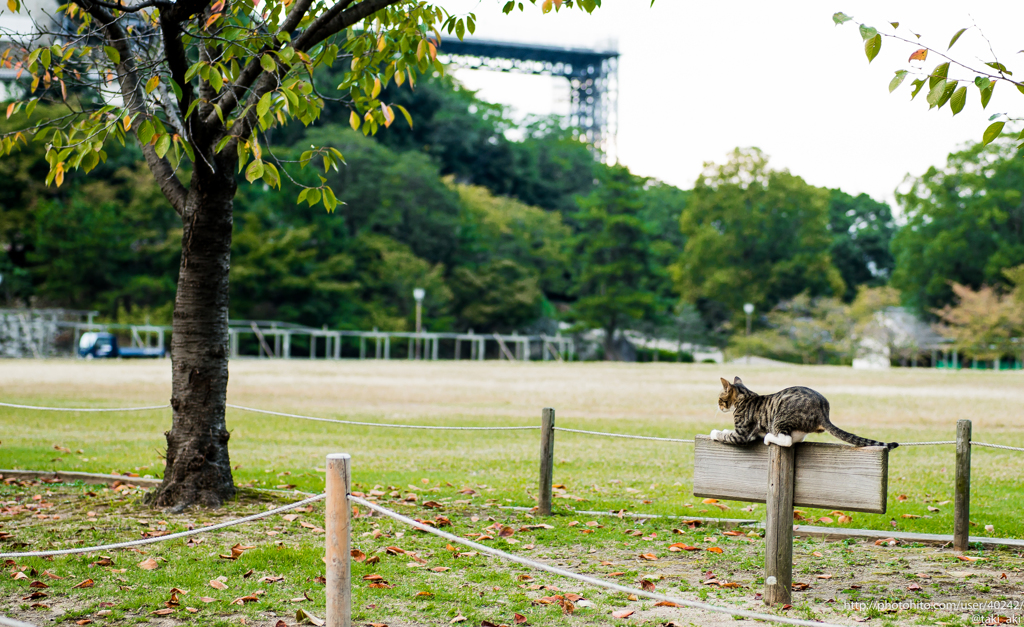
(927, 443)
(10, 622)
(999, 446)
(83, 408)
(171, 536)
(379, 424)
(584, 578)
(623, 435)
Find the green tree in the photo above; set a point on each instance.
(198, 84)
(754, 235)
(613, 252)
(964, 224)
(983, 324)
(862, 231)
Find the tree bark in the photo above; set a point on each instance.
(198, 469)
(610, 352)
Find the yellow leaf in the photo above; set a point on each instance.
(60, 174)
(381, 43)
(376, 88)
(546, 7)
(152, 83)
(127, 123)
(13, 5)
(10, 109)
(353, 120)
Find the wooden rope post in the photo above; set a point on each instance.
(338, 541)
(547, 460)
(778, 551)
(962, 491)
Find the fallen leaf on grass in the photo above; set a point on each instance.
(51, 575)
(825, 519)
(218, 584)
(458, 619)
(824, 576)
(798, 586)
(623, 613)
(651, 557)
(84, 621)
(731, 533)
(149, 564)
(236, 552)
(933, 509)
(682, 546)
(35, 595)
(88, 583)
(19, 575)
(914, 587)
(714, 549)
(909, 516)
(519, 619)
(192, 610)
(632, 597)
(163, 612)
(845, 519)
(617, 573)
(647, 584)
(272, 579)
(207, 599)
(303, 615)
(817, 554)
(886, 542)
(440, 569)
(249, 598)
(38, 584)
(970, 558)
(666, 604)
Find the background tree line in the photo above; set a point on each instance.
(518, 234)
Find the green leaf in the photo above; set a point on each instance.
(267, 63)
(867, 32)
(895, 25)
(938, 74)
(995, 65)
(330, 202)
(216, 80)
(918, 84)
(986, 95)
(897, 80)
(31, 106)
(217, 110)
(982, 82)
(223, 142)
(460, 29)
(992, 132)
(254, 171)
(145, 132)
(955, 37)
(947, 93)
(271, 176)
(163, 145)
(112, 52)
(872, 46)
(264, 105)
(408, 118)
(958, 100)
(511, 4)
(935, 93)
(313, 196)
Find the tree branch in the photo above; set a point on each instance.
(332, 23)
(134, 100)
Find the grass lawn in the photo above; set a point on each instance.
(500, 468)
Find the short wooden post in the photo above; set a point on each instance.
(338, 541)
(778, 550)
(962, 493)
(547, 460)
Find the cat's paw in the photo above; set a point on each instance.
(781, 440)
(717, 435)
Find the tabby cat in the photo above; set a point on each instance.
(783, 418)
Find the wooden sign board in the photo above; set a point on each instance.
(828, 476)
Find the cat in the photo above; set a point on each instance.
(783, 418)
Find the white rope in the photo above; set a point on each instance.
(1008, 448)
(172, 536)
(927, 443)
(584, 578)
(379, 424)
(623, 435)
(83, 408)
(10, 622)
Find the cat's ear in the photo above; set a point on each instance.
(725, 384)
(738, 381)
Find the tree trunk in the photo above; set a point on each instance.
(198, 470)
(610, 354)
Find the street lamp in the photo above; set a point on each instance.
(748, 309)
(418, 294)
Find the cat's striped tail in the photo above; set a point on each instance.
(856, 440)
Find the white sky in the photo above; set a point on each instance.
(697, 79)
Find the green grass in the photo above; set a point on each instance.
(501, 467)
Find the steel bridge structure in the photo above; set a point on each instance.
(592, 75)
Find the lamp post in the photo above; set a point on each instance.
(418, 294)
(749, 310)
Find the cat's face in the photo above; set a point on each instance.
(730, 393)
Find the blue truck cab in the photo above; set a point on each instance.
(101, 345)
